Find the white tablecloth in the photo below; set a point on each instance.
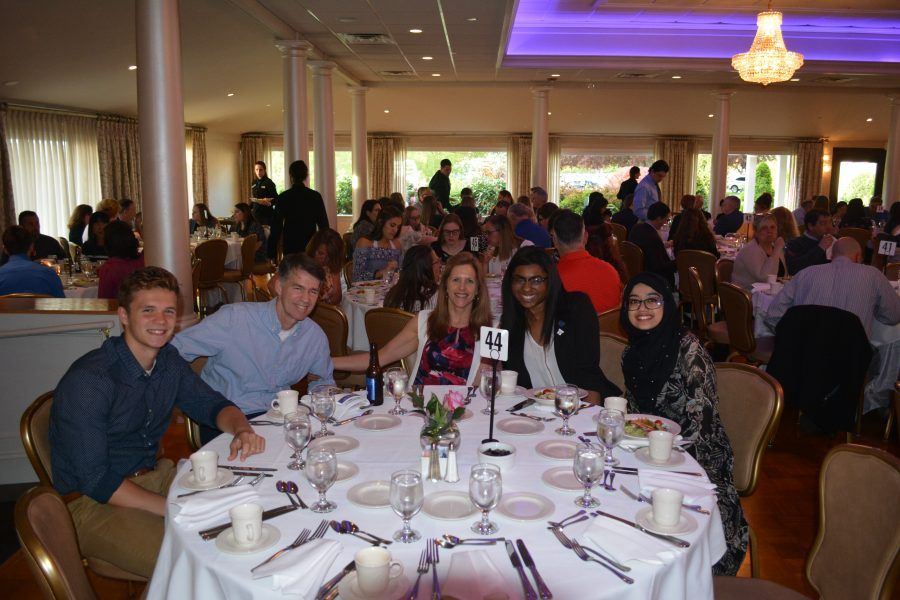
(189, 567)
(84, 291)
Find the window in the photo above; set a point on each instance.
(761, 172)
(483, 171)
(343, 173)
(275, 169)
(581, 173)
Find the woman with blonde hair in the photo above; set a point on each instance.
(761, 257)
(501, 244)
(787, 225)
(110, 207)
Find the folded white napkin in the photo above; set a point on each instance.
(210, 508)
(473, 576)
(693, 488)
(345, 405)
(640, 443)
(625, 543)
(301, 571)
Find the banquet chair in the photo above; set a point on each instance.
(212, 255)
(348, 273)
(195, 283)
(348, 247)
(248, 258)
(191, 427)
(611, 348)
(857, 549)
(25, 295)
(632, 256)
(863, 236)
(724, 269)
(705, 264)
(50, 545)
(738, 309)
(610, 323)
(892, 271)
(750, 405)
(383, 325)
(334, 323)
(67, 248)
(880, 260)
(716, 333)
(619, 231)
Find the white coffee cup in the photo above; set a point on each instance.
(660, 445)
(616, 403)
(375, 569)
(508, 380)
(286, 401)
(667, 506)
(770, 279)
(369, 295)
(246, 522)
(205, 464)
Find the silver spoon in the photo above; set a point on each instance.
(282, 486)
(450, 541)
(352, 528)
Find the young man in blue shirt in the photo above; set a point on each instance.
(21, 275)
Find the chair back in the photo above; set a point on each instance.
(212, 255)
(694, 295)
(348, 273)
(47, 535)
(348, 246)
(25, 295)
(333, 322)
(857, 551)
(248, 255)
(191, 427)
(724, 269)
(66, 248)
(892, 271)
(611, 349)
(705, 263)
(195, 281)
(632, 256)
(863, 236)
(880, 260)
(619, 231)
(609, 322)
(34, 428)
(383, 325)
(750, 404)
(738, 308)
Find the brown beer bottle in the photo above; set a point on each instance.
(374, 379)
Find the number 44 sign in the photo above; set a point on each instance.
(494, 343)
(887, 247)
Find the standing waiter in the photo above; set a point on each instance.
(299, 212)
(262, 192)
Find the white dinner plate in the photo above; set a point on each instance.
(349, 588)
(643, 455)
(561, 478)
(448, 506)
(226, 543)
(466, 415)
(188, 482)
(520, 426)
(686, 524)
(557, 449)
(380, 422)
(671, 426)
(336, 443)
(346, 470)
(371, 494)
(525, 506)
(534, 394)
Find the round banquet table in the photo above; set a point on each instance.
(189, 567)
(82, 290)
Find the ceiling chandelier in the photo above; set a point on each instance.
(767, 61)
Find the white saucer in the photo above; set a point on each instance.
(518, 393)
(187, 481)
(466, 415)
(520, 426)
(346, 470)
(349, 588)
(336, 443)
(686, 523)
(226, 543)
(371, 494)
(525, 506)
(273, 415)
(557, 449)
(643, 455)
(448, 506)
(561, 478)
(380, 422)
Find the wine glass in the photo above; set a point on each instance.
(323, 408)
(566, 405)
(396, 378)
(485, 489)
(297, 433)
(487, 385)
(610, 429)
(588, 467)
(321, 472)
(407, 496)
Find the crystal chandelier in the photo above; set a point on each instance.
(767, 61)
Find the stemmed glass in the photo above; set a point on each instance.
(610, 429)
(566, 405)
(321, 472)
(485, 489)
(487, 385)
(588, 467)
(396, 378)
(407, 496)
(323, 408)
(297, 433)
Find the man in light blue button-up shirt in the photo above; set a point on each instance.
(256, 349)
(647, 192)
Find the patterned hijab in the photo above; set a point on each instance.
(651, 355)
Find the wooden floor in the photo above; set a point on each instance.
(783, 511)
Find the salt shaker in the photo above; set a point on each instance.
(452, 474)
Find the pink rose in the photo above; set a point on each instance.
(453, 400)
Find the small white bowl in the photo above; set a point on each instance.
(504, 462)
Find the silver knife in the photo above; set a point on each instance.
(669, 538)
(635, 470)
(243, 468)
(213, 532)
(520, 405)
(332, 583)
(530, 594)
(545, 592)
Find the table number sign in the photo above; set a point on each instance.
(887, 247)
(494, 343)
(474, 244)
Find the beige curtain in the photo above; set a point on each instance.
(199, 176)
(518, 164)
(680, 154)
(253, 148)
(400, 167)
(7, 208)
(808, 170)
(383, 165)
(118, 147)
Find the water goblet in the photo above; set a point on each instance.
(487, 385)
(297, 434)
(407, 496)
(323, 408)
(485, 489)
(396, 378)
(588, 467)
(321, 472)
(610, 429)
(566, 404)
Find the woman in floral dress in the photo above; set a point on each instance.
(380, 251)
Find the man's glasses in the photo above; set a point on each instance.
(650, 303)
(534, 281)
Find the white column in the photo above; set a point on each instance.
(891, 189)
(749, 183)
(324, 136)
(719, 152)
(359, 147)
(540, 137)
(296, 129)
(781, 187)
(161, 131)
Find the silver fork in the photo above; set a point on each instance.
(413, 592)
(435, 584)
(570, 520)
(580, 552)
(301, 539)
(532, 417)
(230, 484)
(568, 543)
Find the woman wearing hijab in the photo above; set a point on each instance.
(668, 373)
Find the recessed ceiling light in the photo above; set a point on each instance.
(710, 115)
(415, 31)
(869, 120)
(795, 79)
(10, 83)
(230, 94)
(470, 19)
(347, 20)
(676, 76)
(554, 75)
(132, 68)
(268, 105)
(435, 74)
(549, 113)
(386, 111)
(427, 58)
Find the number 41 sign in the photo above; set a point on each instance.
(494, 343)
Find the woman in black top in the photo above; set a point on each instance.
(856, 215)
(95, 244)
(365, 224)
(262, 193)
(451, 239)
(79, 220)
(419, 275)
(245, 224)
(553, 334)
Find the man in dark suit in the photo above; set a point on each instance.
(440, 184)
(646, 236)
(299, 212)
(810, 248)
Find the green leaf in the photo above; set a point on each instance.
(417, 400)
(459, 412)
